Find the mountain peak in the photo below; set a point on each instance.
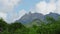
(27, 18)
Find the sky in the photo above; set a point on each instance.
(11, 10)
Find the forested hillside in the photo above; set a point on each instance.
(51, 27)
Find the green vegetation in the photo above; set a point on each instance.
(51, 27)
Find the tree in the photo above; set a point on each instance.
(14, 26)
(3, 24)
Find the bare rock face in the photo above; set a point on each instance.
(27, 18)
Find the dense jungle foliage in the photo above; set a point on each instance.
(51, 27)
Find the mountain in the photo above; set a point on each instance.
(27, 18)
(30, 17)
(54, 15)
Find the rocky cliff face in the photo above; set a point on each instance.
(27, 18)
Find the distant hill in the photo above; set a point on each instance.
(27, 18)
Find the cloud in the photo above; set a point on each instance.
(7, 9)
(20, 14)
(8, 5)
(15, 16)
(46, 8)
(58, 7)
(3, 15)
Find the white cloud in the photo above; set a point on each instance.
(52, 1)
(3, 15)
(45, 8)
(41, 6)
(58, 7)
(15, 16)
(8, 5)
(7, 9)
(19, 15)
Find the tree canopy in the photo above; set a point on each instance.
(52, 27)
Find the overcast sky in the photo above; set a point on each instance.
(11, 10)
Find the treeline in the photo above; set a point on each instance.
(52, 26)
